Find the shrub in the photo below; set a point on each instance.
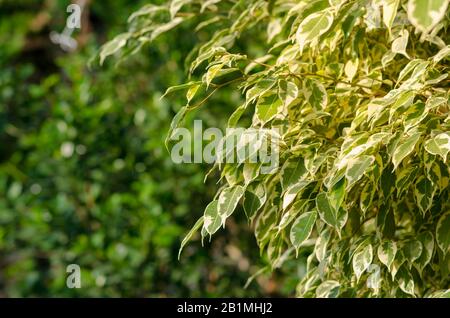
(359, 92)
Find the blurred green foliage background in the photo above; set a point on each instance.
(84, 174)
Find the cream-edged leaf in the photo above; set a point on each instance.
(389, 12)
(439, 145)
(426, 14)
(362, 260)
(312, 27)
(328, 289)
(404, 148)
(334, 218)
(399, 44)
(228, 200)
(212, 219)
(386, 253)
(113, 46)
(302, 228)
(190, 234)
(268, 107)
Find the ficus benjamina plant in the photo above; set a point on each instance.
(358, 92)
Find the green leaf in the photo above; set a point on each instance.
(312, 27)
(328, 289)
(404, 100)
(439, 145)
(163, 28)
(443, 233)
(334, 218)
(427, 240)
(405, 281)
(236, 115)
(386, 253)
(190, 234)
(434, 102)
(268, 107)
(414, 115)
(175, 123)
(400, 43)
(442, 54)
(351, 68)
(362, 260)
(254, 199)
(321, 247)
(387, 58)
(389, 12)
(264, 225)
(404, 148)
(292, 172)
(228, 200)
(292, 192)
(146, 10)
(212, 219)
(441, 294)
(336, 195)
(386, 221)
(181, 87)
(297, 208)
(212, 73)
(412, 250)
(207, 4)
(366, 198)
(425, 14)
(405, 178)
(288, 92)
(176, 5)
(302, 228)
(113, 46)
(412, 65)
(192, 91)
(250, 171)
(261, 88)
(424, 191)
(397, 264)
(273, 29)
